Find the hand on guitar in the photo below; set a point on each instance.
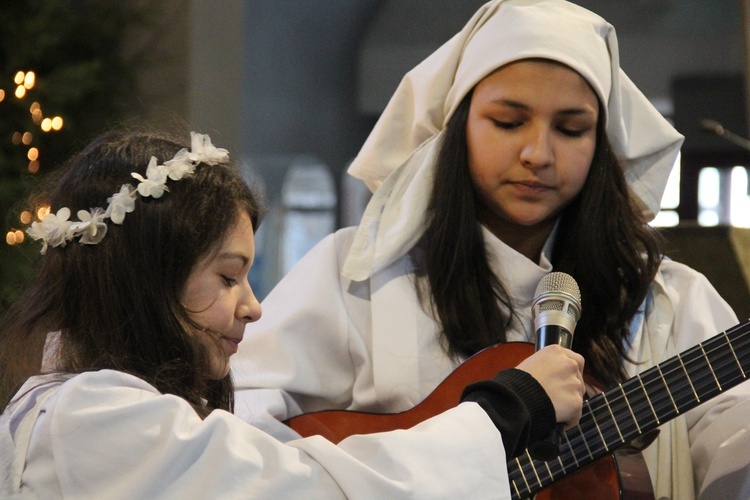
(560, 372)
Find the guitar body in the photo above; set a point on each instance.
(602, 479)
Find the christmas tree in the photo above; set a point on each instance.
(63, 79)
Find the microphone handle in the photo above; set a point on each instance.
(553, 334)
(548, 448)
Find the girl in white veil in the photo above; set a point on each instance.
(376, 316)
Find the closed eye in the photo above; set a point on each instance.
(229, 281)
(573, 132)
(506, 125)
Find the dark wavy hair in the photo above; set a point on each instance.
(117, 304)
(603, 241)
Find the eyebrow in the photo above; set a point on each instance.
(232, 256)
(519, 105)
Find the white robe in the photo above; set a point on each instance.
(110, 435)
(328, 342)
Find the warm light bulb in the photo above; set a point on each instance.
(2, 95)
(18, 79)
(42, 212)
(20, 91)
(33, 154)
(46, 124)
(57, 123)
(25, 217)
(17, 136)
(10, 238)
(26, 138)
(33, 167)
(29, 79)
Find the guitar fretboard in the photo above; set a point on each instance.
(639, 405)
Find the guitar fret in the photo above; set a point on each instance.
(523, 474)
(604, 395)
(604, 442)
(551, 476)
(572, 450)
(533, 468)
(648, 399)
(687, 376)
(627, 402)
(585, 441)
(562, 465)
(666, 386)
(711, 367)
(515, 487)
(736, 359)
(726, 363)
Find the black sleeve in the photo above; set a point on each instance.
(518, 406)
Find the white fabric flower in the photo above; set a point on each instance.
(54, 229)
(203, 151)
(121, 203)
(91, 227)
(181, 165)
(155, 182)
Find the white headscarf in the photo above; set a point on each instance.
(397, 161)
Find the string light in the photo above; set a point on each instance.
(25, 81)
(29, 80)
(42, 212)
(15, 237)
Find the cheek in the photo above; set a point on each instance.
(487, 160)
(578, 165)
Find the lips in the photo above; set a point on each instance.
(233, 344)
(532, 184)
(530, 188)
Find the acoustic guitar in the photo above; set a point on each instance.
(599, 457)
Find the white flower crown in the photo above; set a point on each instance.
(56, 229)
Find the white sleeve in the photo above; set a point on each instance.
(112, 436)
(719, 430)
(299, 357)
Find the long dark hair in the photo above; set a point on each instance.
(603, 241)
(117, 304)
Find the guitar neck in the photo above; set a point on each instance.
(639, 405)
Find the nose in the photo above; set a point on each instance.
(248, 307)
(536, 150)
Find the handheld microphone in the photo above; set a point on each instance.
(556, 309)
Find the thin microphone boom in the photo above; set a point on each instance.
(714, 127)
(556, 309)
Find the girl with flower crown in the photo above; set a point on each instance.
(517, 148)
(146, 291)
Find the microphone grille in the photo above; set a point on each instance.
(558, 282)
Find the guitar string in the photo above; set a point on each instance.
(613, 430)
(729, 341)
(724, 366)
(719, 369)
